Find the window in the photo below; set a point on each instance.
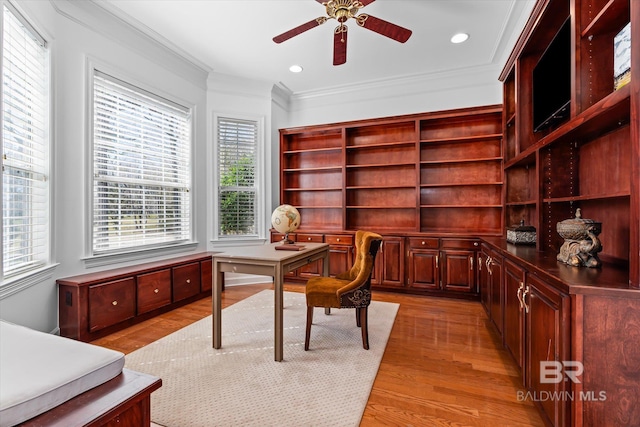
(25, 155)
(237, 187)
(141, 168)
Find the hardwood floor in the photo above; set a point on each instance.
(443, 365)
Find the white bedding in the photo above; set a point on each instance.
(39, 371)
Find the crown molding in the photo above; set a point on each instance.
(115, 25)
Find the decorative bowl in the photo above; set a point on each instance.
(577, 228)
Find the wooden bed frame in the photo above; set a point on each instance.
(124, 401)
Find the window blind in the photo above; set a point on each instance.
(237, 191)
(25, 204)
(141, 167)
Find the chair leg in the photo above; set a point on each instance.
(358, 317)
(364, 327)
(308, 331)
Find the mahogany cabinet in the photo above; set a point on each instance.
(586, 321)
(389, 269)
(513, 295)
(590, 158)
(546, 338)
(431, 176)
(424, 263)
(96, 304)
(490, 276)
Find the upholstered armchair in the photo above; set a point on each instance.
(350, 289)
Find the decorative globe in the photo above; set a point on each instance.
(285, 219)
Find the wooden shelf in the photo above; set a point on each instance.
(381, 145)
(313, 150)
(380, 165)
(460, 184)
(602, 117)
(522, 203)
(454, 140)
(313, 189)
(608, 19)
(379, 187)
(477, 159)
(324, 168)
(586, 197)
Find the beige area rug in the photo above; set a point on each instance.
(241, 384)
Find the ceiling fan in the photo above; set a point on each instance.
(341, 11)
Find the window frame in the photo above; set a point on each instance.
(42, 270)
(259, 183)
(93, 258)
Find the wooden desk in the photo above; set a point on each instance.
(263, 260)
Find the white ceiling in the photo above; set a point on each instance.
(235, 37)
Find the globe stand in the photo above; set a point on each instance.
(287, 240)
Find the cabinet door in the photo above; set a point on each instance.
(186, 281)
(423, 269)
(340, 253)
(483, 280)
(547, 318)
(111, 303)
(389, 269)
(513, 332)
(458, 270)
(496, 282)
(154, 290)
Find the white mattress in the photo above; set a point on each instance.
(39, 371)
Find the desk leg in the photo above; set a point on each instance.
(279, 307)
(325, 273)
(218, 278)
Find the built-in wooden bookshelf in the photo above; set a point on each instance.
(586, 160)
(438, 173)
(587, 157)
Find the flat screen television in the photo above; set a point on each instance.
(552, 81)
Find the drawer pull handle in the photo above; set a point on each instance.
(475, 243)
(338, 239)
(188, 280)
(155, 291)
(114, 303)
(424, 243)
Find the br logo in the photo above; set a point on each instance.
(554, 372)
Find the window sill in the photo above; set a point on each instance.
(13, 285)
(136, 255)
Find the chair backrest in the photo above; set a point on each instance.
(357, 293)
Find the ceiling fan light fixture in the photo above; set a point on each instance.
(459, 38)
(296, 68)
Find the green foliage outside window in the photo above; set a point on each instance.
(237, 198)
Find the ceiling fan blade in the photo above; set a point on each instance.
(340, 45)
(366, 2)
(383, 27)
(299, 29)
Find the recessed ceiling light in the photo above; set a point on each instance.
(459, 38)
(295, 69)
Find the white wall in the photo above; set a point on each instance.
(79, 32)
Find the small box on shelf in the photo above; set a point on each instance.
(622, 57)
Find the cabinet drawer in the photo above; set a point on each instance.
(186, 281)
(423, 243)
(314, 238)
(111, 303)
(154, 290)
(278, 237)
(339, 239)
(460, 244)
